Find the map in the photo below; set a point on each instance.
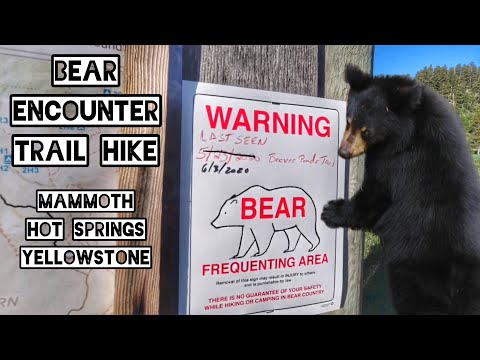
(26, 70)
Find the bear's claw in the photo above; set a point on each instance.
(333, 213)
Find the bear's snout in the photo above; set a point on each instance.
(214, 224)
(344, 153)
(352, 144)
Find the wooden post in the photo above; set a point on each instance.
(313, 70)
(137, 291)
(284, 68)
(336, 57)
(301, 69)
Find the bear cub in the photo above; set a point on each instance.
(420, 193)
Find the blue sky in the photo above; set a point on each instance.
(408, 59)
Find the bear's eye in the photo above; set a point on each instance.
(365, 134)
(225, 213)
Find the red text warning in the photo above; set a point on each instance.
(269, 207)
(85, 257)
(85, 200)
(109, 229)
(238, 267)
(44, 229)
(130, 150)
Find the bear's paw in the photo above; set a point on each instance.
(333, 214)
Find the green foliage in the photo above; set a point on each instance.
(460, 85)
(471, 123)
(371, 242)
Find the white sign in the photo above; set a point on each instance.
(257, 169)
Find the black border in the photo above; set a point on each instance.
(129, 136)
(85, 268)
(52, 69)
(110, 218)
(45, 219)
(35, 136)
(303, 27)
(89, 210)
(91, 96)
(113, 326)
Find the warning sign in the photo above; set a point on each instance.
(258, 167)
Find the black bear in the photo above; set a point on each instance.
(420, 194)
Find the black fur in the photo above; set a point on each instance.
(420, 194)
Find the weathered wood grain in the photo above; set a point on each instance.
(137, 291)
(336, 57)
(284, 68)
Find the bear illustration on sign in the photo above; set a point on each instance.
(261, 213)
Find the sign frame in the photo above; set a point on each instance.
(190, 89)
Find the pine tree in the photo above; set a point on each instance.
(460, 85)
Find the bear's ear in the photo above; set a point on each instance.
(234, 201)
(405, 97)
(356, 78)
(233, 197)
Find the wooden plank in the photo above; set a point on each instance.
(336, 57)
(284, 68)
(137, 291)
(171, 186)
